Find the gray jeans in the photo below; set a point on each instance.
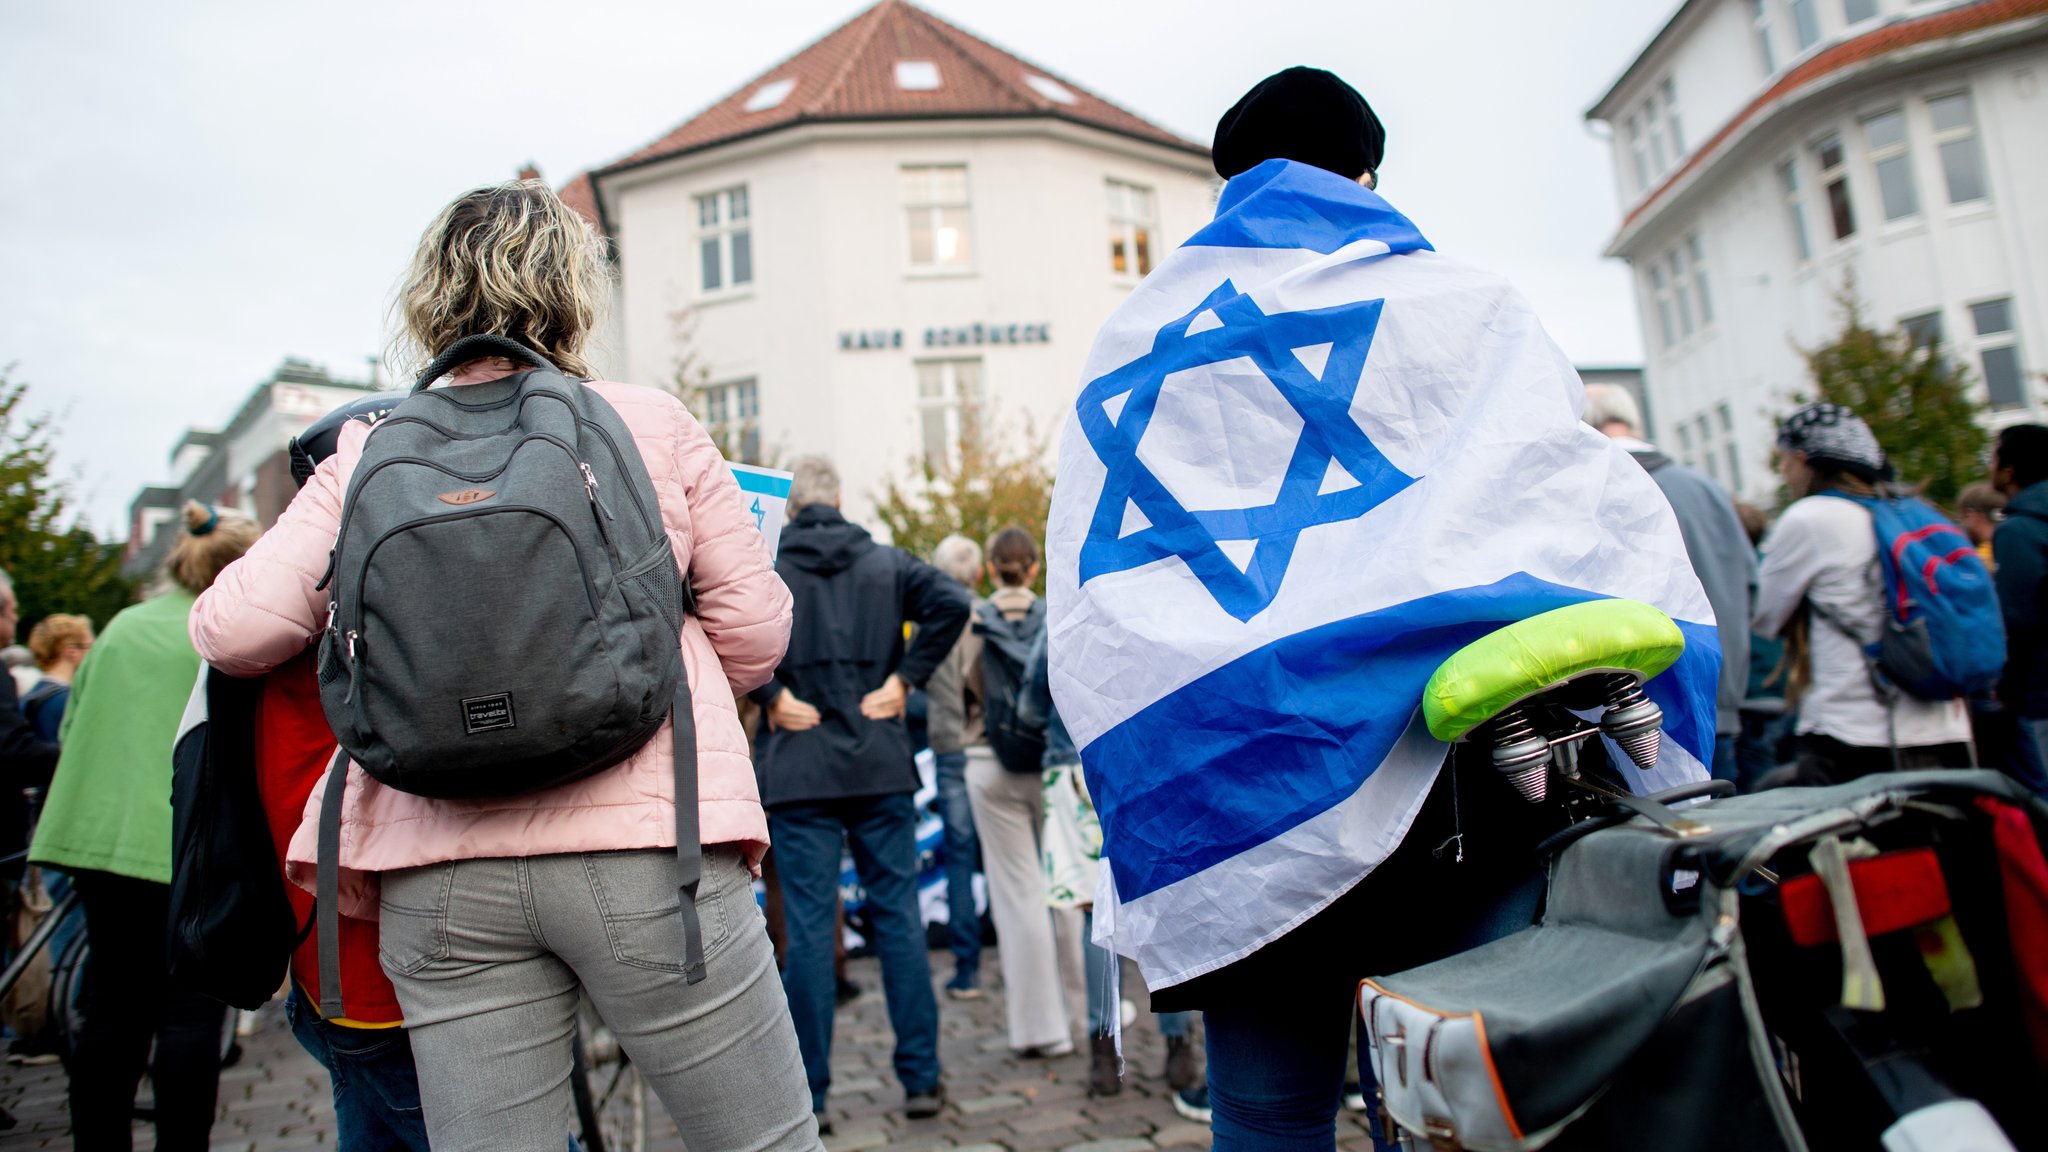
(487, 956)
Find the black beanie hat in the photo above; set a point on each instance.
(1303, 114)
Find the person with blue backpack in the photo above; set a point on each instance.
(1887, 612)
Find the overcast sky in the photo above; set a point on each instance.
(191, 191)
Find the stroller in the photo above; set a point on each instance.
(1859, 967)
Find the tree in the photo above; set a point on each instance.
(1914, 397)
(1000, 479)
(58, 565)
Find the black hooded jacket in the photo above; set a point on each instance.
(853, 597)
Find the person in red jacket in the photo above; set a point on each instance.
(365, 1050)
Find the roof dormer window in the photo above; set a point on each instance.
(770, 95)
(917, 75)
(1049, 88)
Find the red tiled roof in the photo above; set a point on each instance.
(1869, 46)
(580, 195)
(850, 75)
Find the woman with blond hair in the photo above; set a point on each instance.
(497, 915)
(108, 825)
(59, 643)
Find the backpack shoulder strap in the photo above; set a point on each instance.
(475, 348)
(327, 888)
(689, 853)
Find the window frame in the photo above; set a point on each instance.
(1760, 25)
(936, 205)
(1794, 194)
(1852, 21)
(1970, 134)
(1999, 340)
(726, 231)
(731, 415)
(1898, 152)
(1139, 234)
(1696, 254)
(948, 407)
(1834, 177)
(1806, 30)
(1660, 296)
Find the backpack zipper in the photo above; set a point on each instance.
(357, 485)
(618, 457)
(600, 513)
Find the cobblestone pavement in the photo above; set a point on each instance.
(276, 1099)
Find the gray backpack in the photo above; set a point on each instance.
(503, 606)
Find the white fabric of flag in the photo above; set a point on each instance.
(1311, 459)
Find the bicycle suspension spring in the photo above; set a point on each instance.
(1521, 753)
(1633, 720)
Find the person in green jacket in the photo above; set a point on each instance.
(107, 824)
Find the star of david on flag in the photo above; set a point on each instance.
(1274, 448)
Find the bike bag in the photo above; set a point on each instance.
(1676, 995)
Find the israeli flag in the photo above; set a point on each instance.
(1312, 459)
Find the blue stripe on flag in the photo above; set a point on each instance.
(1283, 733)
(764, 484)
(1283, 204)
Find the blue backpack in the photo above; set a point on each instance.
(1944, 634)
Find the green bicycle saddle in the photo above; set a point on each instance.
(1487, 676)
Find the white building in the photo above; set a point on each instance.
(244, 466)
(1768, 151)
(897, 218)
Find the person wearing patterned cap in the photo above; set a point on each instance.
(1821, 589)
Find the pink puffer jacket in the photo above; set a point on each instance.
(263, 611)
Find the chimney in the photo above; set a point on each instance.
(530, 171)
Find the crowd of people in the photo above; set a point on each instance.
(471, 926)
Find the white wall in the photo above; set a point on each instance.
(1768, 303)
(831, 256)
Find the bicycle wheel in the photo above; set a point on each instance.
(611, 1099)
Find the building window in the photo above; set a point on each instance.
(1924, 330)
(1660, 289)
(1955, 135)
(732, 415)
(1681, 288)
(1733, 450)
(1760, 21)
(1857, 11)
(1708, 456)
(935, 205)
(945, 389)
(1639, 152)
(1885, 135)
(1698, 255)
(1658, 162)
(1805, 23)
(1998, 350)
(1834, 178)
(1788, 179)
(1131, 227)
(1669, 91)
(725, 240)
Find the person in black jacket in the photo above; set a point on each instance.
(835, 768)
(2019, 467)
(25, 760)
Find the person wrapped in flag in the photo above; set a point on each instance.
(1310, 460)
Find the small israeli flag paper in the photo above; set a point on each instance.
(1311, 459)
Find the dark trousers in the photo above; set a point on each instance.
(1278, 1024)
(129, 1002)
(1824, 760)
(881, 832)
(376, 1086)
